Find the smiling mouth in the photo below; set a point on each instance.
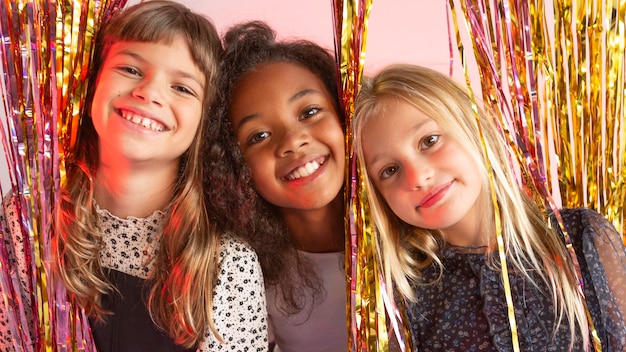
(142, 121)
(434, 196)
(306, 170)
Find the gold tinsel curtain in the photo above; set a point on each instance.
(46, 50)
(554, 71)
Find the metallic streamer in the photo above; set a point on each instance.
(46, 49)
(368, 308)
(476, 17)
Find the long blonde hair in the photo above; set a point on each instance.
(190, 246)
(529, 242)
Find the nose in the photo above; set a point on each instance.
(417, 174)
(292, 140)
(149, 90)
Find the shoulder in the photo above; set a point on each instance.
(587, 224)
(602, 259)
(595, 240)
(232, 248)
(238, 259)
(582, 216)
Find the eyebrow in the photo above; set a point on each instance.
(303, 93)
(138, 57)
(298, 95)
(412, 130)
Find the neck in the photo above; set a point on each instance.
(130, 191)
(318, 230)
(473, 231)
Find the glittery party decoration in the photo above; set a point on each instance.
(587, 97)
(554, 74)
(350, 33)
(46, 50)
(369, 309)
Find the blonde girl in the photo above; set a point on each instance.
(426, 174)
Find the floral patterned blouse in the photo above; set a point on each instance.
(129, 245)
(467, 309)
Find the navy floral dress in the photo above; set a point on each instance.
(467, 310)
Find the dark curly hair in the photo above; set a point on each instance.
(233, 199)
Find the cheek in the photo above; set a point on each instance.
(259, 171)
(96, 101)
(334, 132)
(192, 112)
(190, 138)
(96, 111)
(104, 95)
(189, 118)
(339, 140)
(395, 200)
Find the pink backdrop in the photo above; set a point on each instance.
(413, 31)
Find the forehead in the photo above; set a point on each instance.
(391, 111)
(272, 86)
(173, 54)
(392, 120)
(277, 77)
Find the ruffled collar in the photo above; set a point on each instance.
(158, 215)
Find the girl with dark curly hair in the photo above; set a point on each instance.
(278, 152)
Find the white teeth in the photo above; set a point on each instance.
(143, 121)
(304, 171)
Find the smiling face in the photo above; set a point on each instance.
(290, 134)
(427, 179)
(148, 102)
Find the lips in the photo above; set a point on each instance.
(306, 170)
(142, 121)
(435, 195)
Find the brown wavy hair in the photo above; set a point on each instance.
(190, 246)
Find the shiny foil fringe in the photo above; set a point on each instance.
(372, 315)
(46, 49)
(364, 310)
(555, 74)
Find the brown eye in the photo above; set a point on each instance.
(429, 141)
(257, 137)
(129, 70)
(388, 172)
(308, 113)
(183, 90)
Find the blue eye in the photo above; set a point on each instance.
(429, 141)
(388, 172)
(257, 137)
